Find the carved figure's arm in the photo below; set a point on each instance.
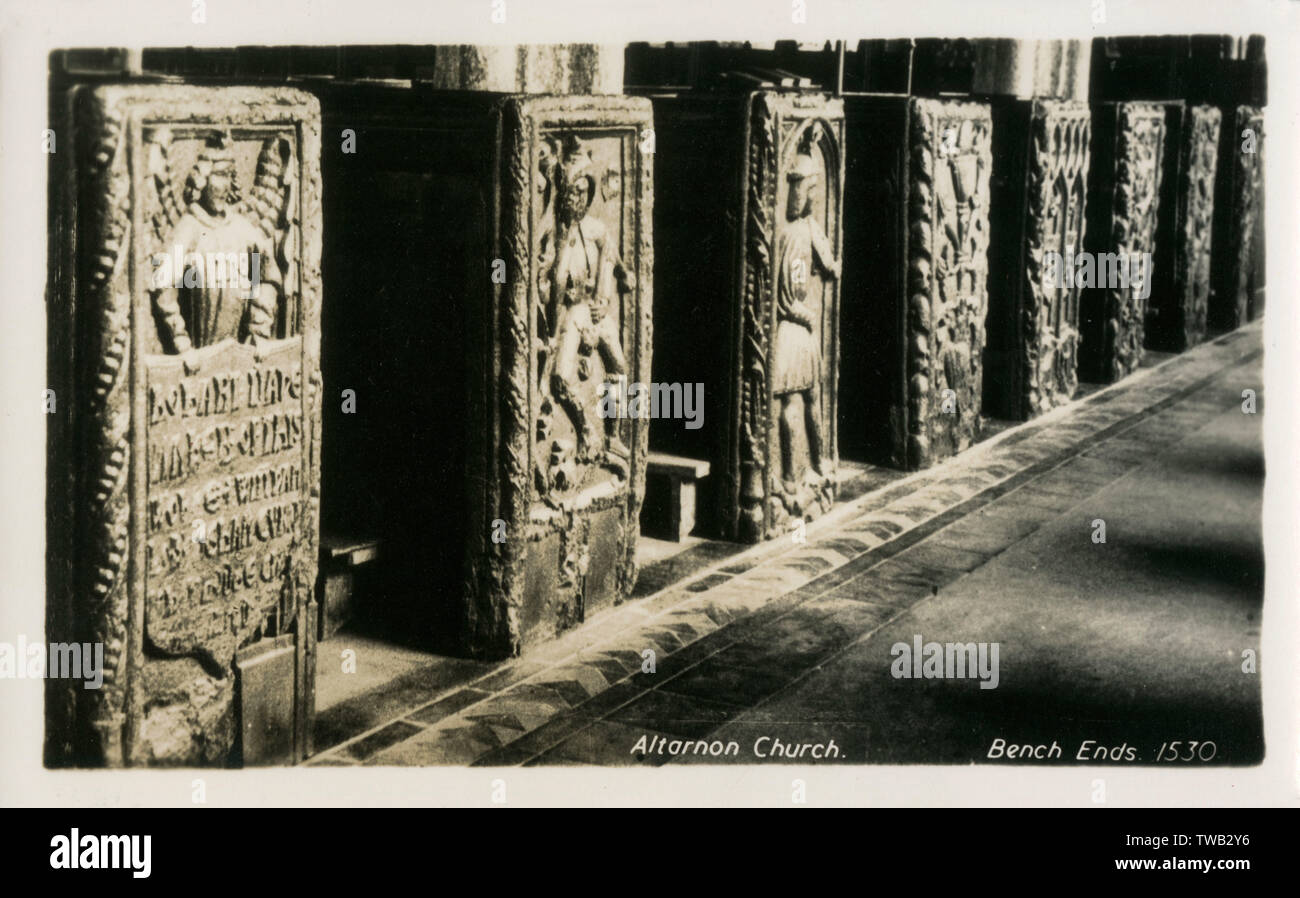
(822, 251)
(264, 302)
(172, 325)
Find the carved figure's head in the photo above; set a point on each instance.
(212, 182)
(802, 179)
(577, 185)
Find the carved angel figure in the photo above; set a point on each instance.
(228, 279)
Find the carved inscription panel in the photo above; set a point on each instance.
(226, 495)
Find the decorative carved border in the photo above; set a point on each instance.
(101, 586)
(108, 598)
(492, 594)
(920, 223)
(756, 302)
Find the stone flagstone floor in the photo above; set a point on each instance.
(748, 630)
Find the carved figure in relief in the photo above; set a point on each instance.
(582, 282)
(228, 278)
(796, 359)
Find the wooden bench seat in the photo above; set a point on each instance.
(340, 556)
(671, 495)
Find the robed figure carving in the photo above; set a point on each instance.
(796, 358)
(230, 277)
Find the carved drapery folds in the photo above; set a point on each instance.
(1123, 205)
(947, 270)
(784, 429)
(197, 301)
(1057, 188)
(567, 480)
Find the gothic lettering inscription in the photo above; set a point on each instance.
(226, 493)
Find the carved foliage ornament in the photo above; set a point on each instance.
(1246, 202)
(1192, 251)
(947, 290)
(1058, 175)
(1140, 142)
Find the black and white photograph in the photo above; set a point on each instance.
(832, 395)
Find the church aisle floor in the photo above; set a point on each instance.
(1130, 643)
